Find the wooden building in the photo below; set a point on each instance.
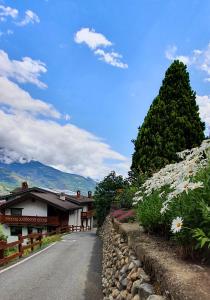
(28, 210)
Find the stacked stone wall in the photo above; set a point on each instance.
(123, 277)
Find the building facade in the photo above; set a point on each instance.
(28, 210)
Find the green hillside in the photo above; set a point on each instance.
(38, 174)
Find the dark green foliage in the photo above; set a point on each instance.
(148, 213)
(171, 125)
(105, 194)
(125, 198)
(3, 237)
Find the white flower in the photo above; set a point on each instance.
(136, 199)
(176, 225)
(164, 209)
(178, 177)
(137, 193)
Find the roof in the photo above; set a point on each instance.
(55, 200)
(47, 196)
(19, 191)
(81, 200)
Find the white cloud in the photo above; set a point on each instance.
(91, 38)
(66, 147)
(7, 32)
(29, 130)
(95, 41)
(170, 54)
(6, 11)
(111, 58)
(204, 108)
(30, 17)
(9, 12)
(199, 58)
(67, 117)
(15, 99)
(25, 71)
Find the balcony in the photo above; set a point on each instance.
(87, 214)
(29, 220)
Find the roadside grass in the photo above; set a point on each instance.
(45, 242)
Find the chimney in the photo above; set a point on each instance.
(78, 194)
(62, 196)
(89, 194)
(24, 185)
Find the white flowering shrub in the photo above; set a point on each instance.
(176, 200)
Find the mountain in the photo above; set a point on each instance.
(38, 174)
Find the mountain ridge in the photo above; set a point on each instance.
(38, 174)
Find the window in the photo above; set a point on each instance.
(16, 211)
(39, 230)
(30, 230)
(14, 231)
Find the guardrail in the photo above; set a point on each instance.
(33, 239)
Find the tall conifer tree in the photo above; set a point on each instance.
(171, 125)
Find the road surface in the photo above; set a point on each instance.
(69, 270)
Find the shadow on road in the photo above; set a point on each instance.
(93, 288)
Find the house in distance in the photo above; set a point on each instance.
(28, 210)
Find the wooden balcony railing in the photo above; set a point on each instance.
(29, 220)
(87, 214)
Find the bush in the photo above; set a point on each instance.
(123, 215)
(3, 237)
(51, 239)
(125, 198)
(148, 213)
(105, 195)
(117, 213)
(175, 202)
(127, 216)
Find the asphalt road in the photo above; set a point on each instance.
(68, 270)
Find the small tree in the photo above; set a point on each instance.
(105, 194)
(171, 125)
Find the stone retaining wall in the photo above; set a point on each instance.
(122, 274)
(128, 253)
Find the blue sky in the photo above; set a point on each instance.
(97, 65)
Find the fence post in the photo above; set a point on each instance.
(32, 247)
(2, 247)
(20, 246)
(40, 240)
